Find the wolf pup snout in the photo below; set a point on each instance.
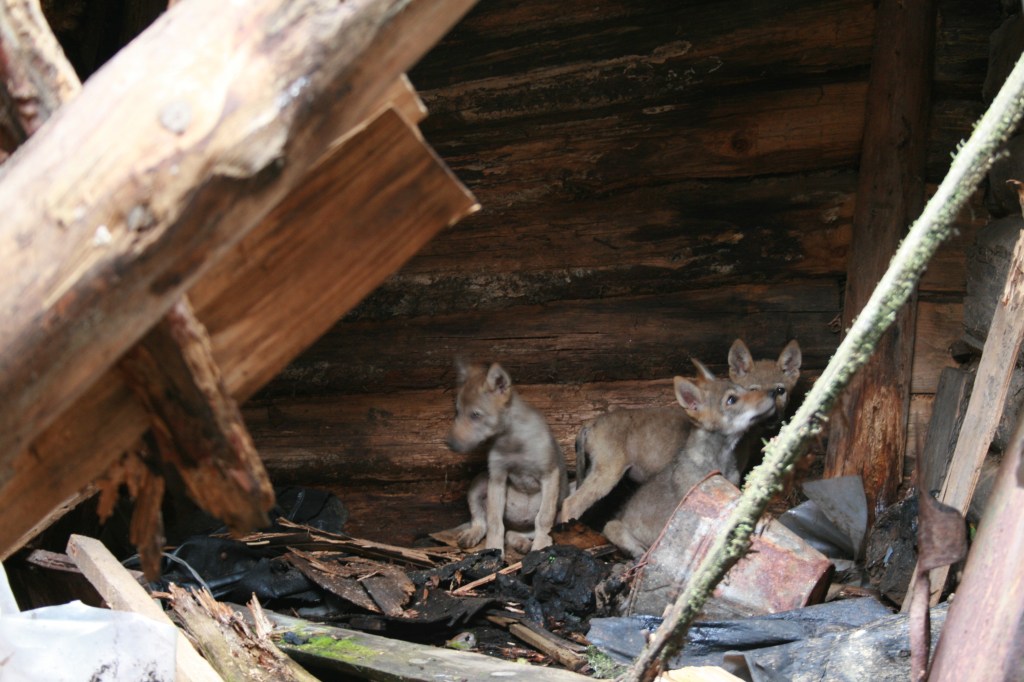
(526, 477)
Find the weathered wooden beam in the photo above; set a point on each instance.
(198, 426)
(374, 657)
(988, 394)
(398, 437)
(365, 210)
(644, 240)
(989, 605)
(122, 593)
(522, 61)
(36, 75)
(176, 159)
(240, 652)
(868, 429)
(616, 339)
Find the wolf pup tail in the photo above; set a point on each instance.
(581, 454)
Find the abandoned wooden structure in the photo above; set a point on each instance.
(644, 183)
(654, 183)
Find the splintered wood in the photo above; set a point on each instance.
(237, 650)
(196, 423)
(341, 224)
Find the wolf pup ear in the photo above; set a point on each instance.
(688, 394)
(740, 360)
(461, 370)
(702, 371)
(498, 379)
(790, 359)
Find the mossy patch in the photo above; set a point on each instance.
(344, 649)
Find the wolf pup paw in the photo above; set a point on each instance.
(541, 541)
(471, 537)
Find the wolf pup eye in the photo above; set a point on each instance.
(780, 390)
(476, 415)
(731, 399)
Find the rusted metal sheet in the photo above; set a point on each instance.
(781, 572)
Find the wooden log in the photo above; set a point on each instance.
(868, 430)
(198, 424)
(319, 252)
(645, 240)
(384, 454)
(616, 339)
(735, 135)
(589, 62)
(122, 593)
(112, 240)
(36, 75)
(989, 605)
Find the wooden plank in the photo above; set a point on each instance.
(647, 240)
(947, 270)
(733, 135)
(240, 650)
(988, 394)
(868, 429)
(938, 325)
(120, 230)
(196, 423)
(944, 426)
(399, 437)
(335, 259)
(516, 61)
(616, 339)
(318, 252)
(122, 593)
(373, 657)
(989, 605)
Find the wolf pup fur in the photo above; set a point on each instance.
(777, 377)
(526, 476)
(641, 442)
(720, 413)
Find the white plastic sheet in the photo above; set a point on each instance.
(75, 642)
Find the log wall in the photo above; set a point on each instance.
(656, 179)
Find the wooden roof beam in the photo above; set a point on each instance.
(170, 155)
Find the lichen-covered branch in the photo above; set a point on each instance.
(934, 225)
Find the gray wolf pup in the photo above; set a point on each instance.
(777, 377)
(641, 442)
(526, 475)
(720, 413)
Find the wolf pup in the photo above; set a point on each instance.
(641, 442)
(777, 377)
(720, 412)
(526, 476)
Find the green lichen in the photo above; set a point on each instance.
(602, 665)
(344, 649)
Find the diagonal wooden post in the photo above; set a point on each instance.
(229, 106)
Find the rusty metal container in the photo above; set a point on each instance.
(781, 572)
